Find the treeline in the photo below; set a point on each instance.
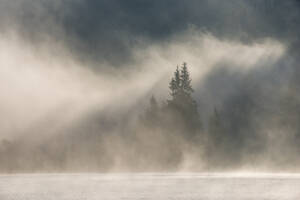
(170, 130)
(179, 114)
(221, 142)
(166, 136)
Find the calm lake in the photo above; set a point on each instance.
(149, 186)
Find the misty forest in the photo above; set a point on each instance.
(149, 86)
(161, 137)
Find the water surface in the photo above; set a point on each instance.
(162, 186)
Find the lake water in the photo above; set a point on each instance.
(149, 186)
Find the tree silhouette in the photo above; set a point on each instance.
(215, 128)
(173, 122)
(175, 83)
(185, 80)
(152, 113)
(182, 103)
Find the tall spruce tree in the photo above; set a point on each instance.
(175, 83)
(152, 113)
(185, 80)
(182, 102)
(215, 128)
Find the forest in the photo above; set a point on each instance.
(169, 135)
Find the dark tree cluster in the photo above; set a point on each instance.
(168, 130)
(179, 113)
(178, 122)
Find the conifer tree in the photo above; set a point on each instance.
(215, 127)
(182, 102)
(151, 115)
(175, 83)
(185, 80)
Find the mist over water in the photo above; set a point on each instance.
(149, 186)
(76, 78)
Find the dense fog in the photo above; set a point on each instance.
(86, 86)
